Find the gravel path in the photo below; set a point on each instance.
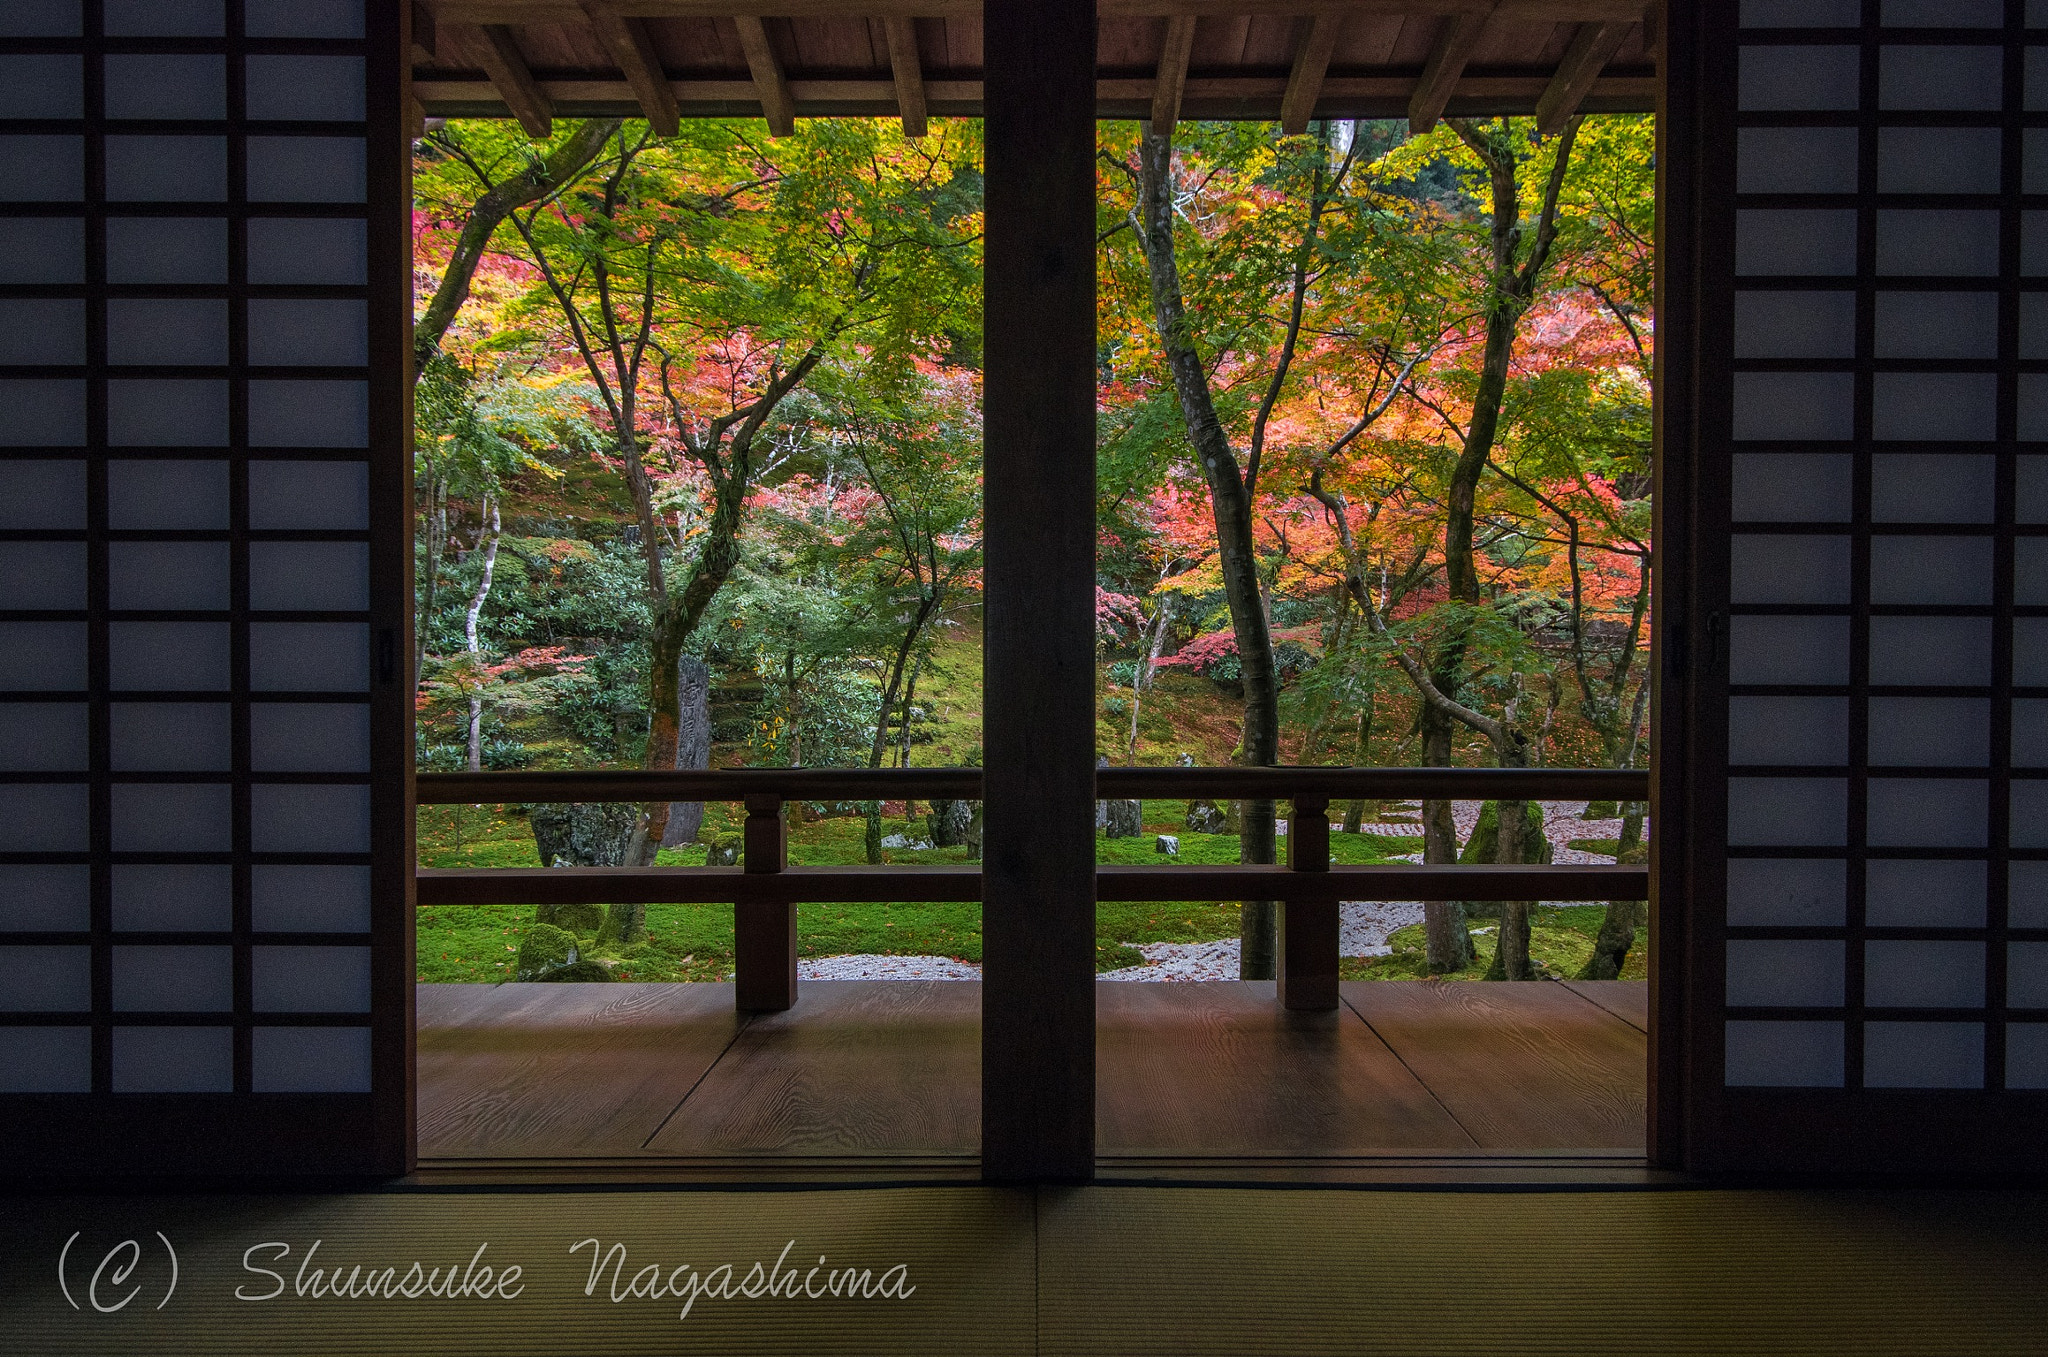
(1365, 924)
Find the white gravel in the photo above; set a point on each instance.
(1365, 924)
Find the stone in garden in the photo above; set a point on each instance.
(546, 949)
(580, 972)
(723, 850)
(1168, 844)
(975, 824)
(584, 834)
(1125, 819)
(693, 746)
(584, 920)
(948, 823)
(900, 841)
(1206, 817)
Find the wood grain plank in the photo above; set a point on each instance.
(1528, 1065)
(857, 1067)
(1628, 1000)
(1221, 1068)
(561, 1070)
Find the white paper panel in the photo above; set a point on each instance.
(43, 737)
(310, 979)
(1773, 242)
(42, 493)
(48, 250)
(313, 899)
(42, 169)
(1930, 732)
(310, 1060)
(166, 169)
(2029, 816)
(1791, 487)
(2027, 888)
(1792, 812)
(309, 819)
(167, 495)
(174, 1060)
(1801, 13)
(1788, 730)
(1785, 973)
(42, 656)
(1900, 973)
(2026, 1055)
(309, 495)
(2030, 651)
(45, 979)
(1788, 650)
(285, 250)
(168, 656)
(1936, 570)
(165, 18)
(186, 332)
(309, 657)
(1937, 242)
(164, 413)
(183, 86)
(1913, 812)
(2030, 489)
(1932, 488)
(309, 576)
(303, 18)
(44, 86)
(42, 412)
(1938, 159)
(1795, 160)
(2026, 974)
(42, 576)
(306, 169)
(146, 250)
(45, 1059)
(305, 88)
(171, 737)
(1795, 325)
(1784, 1054)
(188, 978)
(303, 332)
(42, 332)
(305, 414)
(2030, 732)
(309, 737)
(173, 898)
(160, 576)
(1942, 13)
(172, 817)
(1936, 325)
(43, 819)
(1923, 1055)
(1788, 568)
(45, 898)
(1806, 406)
(1946, 406)
(1788, 79)
(1917, 77)
(1787, 892)
(1922, 893)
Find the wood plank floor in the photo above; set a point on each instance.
(879, 1070)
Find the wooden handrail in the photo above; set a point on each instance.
(867, 784)
(962, 882)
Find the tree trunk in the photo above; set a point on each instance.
(693, 746)
(1231, 501)
(1623, 917)
(469, 632)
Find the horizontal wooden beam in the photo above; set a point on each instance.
(907, 70)
(777, 105)
(423, 35)
(865, 784)
(1591, 49)
(506, 66)
(627, 40)
(820, 885)
(569, 11)
(1227, 97)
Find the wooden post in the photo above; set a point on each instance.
(764, 931)
(1309, 928)
(1038, 853)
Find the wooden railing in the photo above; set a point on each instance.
(765, 890)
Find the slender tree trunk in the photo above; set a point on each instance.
(1231, 501)
(469, 631)
(1447, 933)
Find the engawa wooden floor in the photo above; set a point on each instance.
(879, 1071)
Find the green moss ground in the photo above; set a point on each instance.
(1560, 943)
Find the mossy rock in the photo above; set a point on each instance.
(1601, 810)
(723, 849)
(579, 971)
(551, 953)
(583, 920)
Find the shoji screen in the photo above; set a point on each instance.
(1870, 941)
(203, 938)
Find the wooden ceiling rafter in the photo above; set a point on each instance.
(1456, 40)
(506, 65)
(1592, 47)
(1171, 81)
(628, 41)
(1311, 64)
(906, 68)
(770, 84)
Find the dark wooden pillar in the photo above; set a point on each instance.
(1309, 929)
(764, 931)
(1038, 892)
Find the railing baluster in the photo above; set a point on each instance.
(764, 931)
(1309, 928)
